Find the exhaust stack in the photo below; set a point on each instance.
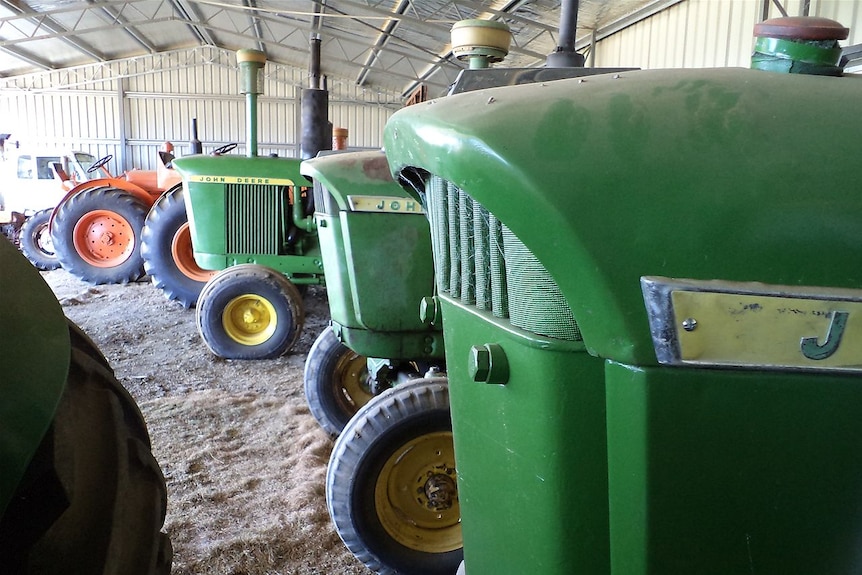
(251, 62)
(195, 144)
(314, 109)
(564, 55)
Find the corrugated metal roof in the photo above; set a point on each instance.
(389, 45)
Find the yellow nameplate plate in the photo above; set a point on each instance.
(384, 204)
(731, 324)
(241, 180)
(768, 331)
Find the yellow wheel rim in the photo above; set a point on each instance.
(351, 390)
(249, 319)
(416, 495)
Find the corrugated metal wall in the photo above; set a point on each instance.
(710, 33)
(130, 108)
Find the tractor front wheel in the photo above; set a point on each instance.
(166, 246)
(35, 241)
(391, 486)
(97, 236)
(336, 382)
(250, 312)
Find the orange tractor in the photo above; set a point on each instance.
(116, 229)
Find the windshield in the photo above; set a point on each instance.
(82, 163)
(86, 160)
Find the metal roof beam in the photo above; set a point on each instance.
(643, 13)
(64, 35)
(254, 22)
(303, 51)
(42, 20)
(386, 33)
(128, 28)
(25, 57)
(202, 35)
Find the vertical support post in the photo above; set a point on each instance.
(123, 142)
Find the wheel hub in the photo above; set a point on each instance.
(106, 239)
(103, 238)
(416, 495)
(440, 491)
(249, 319)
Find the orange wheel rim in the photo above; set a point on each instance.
(184, 257)
(104, 239)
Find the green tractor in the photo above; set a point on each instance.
(80, 491)
(653, 361)
(376, 376)
(251, 219)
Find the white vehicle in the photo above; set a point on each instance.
(28, 182)
(31, 185)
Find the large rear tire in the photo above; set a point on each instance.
(250, 312)
(336, 382)
(97, 236)
(93, 499)
(391, 483)
(166, 246)
(35, 241)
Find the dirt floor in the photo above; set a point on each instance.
(244, 460)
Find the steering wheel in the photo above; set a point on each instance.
(99, 163)
(223, 149)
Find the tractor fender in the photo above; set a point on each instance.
(117, 183)
(35, 344)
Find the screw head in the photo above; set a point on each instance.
(689, 324)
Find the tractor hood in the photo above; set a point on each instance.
(233, 169)
(726, 174)
(349, 173)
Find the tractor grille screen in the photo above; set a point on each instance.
(254, 216)
(479, 261)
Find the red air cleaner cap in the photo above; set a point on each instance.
(802, 28)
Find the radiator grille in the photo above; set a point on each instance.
(254, 218)
(481, 262)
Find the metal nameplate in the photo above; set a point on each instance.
(715, 323)
(241, 180)
(384, 204)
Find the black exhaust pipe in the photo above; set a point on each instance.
(195, 144)
(314, 109)
(564, 55)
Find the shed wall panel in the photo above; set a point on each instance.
(710, 33)
(158, 97)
